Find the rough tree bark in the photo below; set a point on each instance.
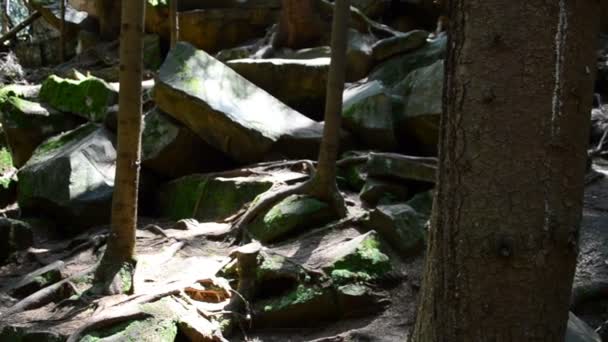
(114, 272)
(300, 25)
(503, 243)
(174, 22)
(108, 13)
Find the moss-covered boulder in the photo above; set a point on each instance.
(401, 167)
(367, 112)
(382, 191)
(14, 236)
(228, 111)
(299, 83)
(291, 215)
(26, 124)
(418, 122)
(340, 290)
(208, 198)
(360, 259)
(81, 164)
(395, 69)
(399, 45)
(89, 97)
(401, 226)
(171, 150)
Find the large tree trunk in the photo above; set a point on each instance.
(300, 25)
(119, 255)
(324, 181)
(108, 12)
(503, 242)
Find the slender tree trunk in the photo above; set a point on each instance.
(503, 243)
(300, 24)
(5, 16)
(62, 31)
(324, 181)
(108, 12)
(121, 243)
(174, 18)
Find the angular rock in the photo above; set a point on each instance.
(377, 191)
(423, 203)
(207, 198)
(14, 236)
(418, 123)
(81, 164)
(401, 167)
(360, 259)
(291, 215)
(579, 331)
(172, 150)
(90, 97)
(26, 124)
(299, 83)
(229, 112)
(395, 69)
(389, 47)
(401, 226)
(368, 113)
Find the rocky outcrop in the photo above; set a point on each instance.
(230, 112)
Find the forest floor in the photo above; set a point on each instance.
(198, 254)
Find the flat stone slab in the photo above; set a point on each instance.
(225, 109)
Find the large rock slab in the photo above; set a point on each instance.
(401, 226)
(299, 83)
(418, 123)
(89, 97)
(395, 69)
(228, 111)
(399, 45)
(367, 113)
(171, 150)
(26, 124)
(70, 177)
(401, 167)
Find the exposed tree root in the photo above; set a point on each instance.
(43, 296)
(127, 313)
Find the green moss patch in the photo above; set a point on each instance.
(148, 330)
(364, 261)
(289, 216)
(89, 97)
